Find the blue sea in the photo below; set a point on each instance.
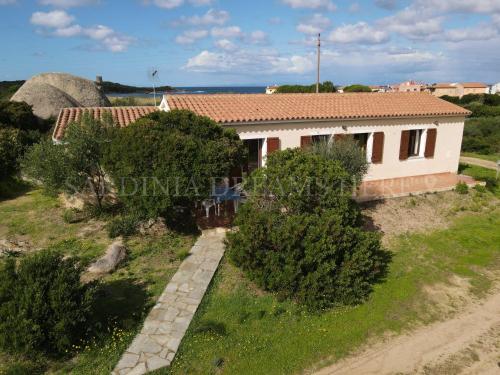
(201, 90)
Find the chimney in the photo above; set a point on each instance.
(98, 82)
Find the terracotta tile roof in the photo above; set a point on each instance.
(443, 86)
(239, 108)
(473, 85)
(121, 115)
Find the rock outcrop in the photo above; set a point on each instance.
(49, 92)
(114, 255)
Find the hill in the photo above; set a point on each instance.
(112, 87)
(9, 88)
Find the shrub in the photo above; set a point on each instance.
(480, 188)
(300, 236)
(461, 188)
(122, 226)
(11, 147)
(43, 305)
(167, 160)
(482, 135)
(75, 165)
(348, 153)
(314, 258)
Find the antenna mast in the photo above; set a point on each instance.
(319, 54)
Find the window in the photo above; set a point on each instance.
(320, 139)
(414, 143)
(362, 140)
(254, 147)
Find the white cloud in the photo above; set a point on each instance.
(68, 3)
(360, 32)
(56, 19)
(472, 33)
(171, 4)
(413, 23)
(191, 36)
(167, 4)
(225, 44)
(68, 32)
(311, 4)
(211, 17)
(460, 6)
(243, 62)
(58, 23)
(226, 32)
(314, 24)
(258, 37)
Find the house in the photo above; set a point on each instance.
(271, 89)
(378, 88)
(442, 89)
(495, 88)
(407, 136)
(465, 88)
(410, 86)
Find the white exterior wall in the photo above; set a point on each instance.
(446, 155)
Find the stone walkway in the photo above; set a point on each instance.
(155, 346)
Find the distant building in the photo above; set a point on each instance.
(441, 89)
(465, 88)
(410, 86)
(378, 88)
(495, 89)
(271, 89)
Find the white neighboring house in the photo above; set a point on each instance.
(495, 88)
(271, 89)
(405, 135)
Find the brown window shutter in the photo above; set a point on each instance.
(305, 141)
(403, 147)
(378, 147)
(430, 144)
(338, 137)
(273, 144)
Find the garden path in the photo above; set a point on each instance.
(157, 343)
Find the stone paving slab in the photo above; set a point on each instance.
(157, 343)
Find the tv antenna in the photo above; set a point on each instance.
(318, 63)
(154, 78)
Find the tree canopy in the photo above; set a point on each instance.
(326, 86)
(357, 88)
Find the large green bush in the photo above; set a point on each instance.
(43, 305)
(167, 160)
(11, 147)
(19, 129)
(299, 233)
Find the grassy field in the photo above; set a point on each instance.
(482, 174)
(492, 157)
(125, 296)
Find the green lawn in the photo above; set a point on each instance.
(125, 297)
(493, 157)
(482, 174)
(240, 330)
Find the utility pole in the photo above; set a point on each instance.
(319, 54)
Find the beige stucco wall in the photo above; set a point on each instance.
(447, 151)
(445, 91)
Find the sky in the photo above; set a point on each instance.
(252, 42)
